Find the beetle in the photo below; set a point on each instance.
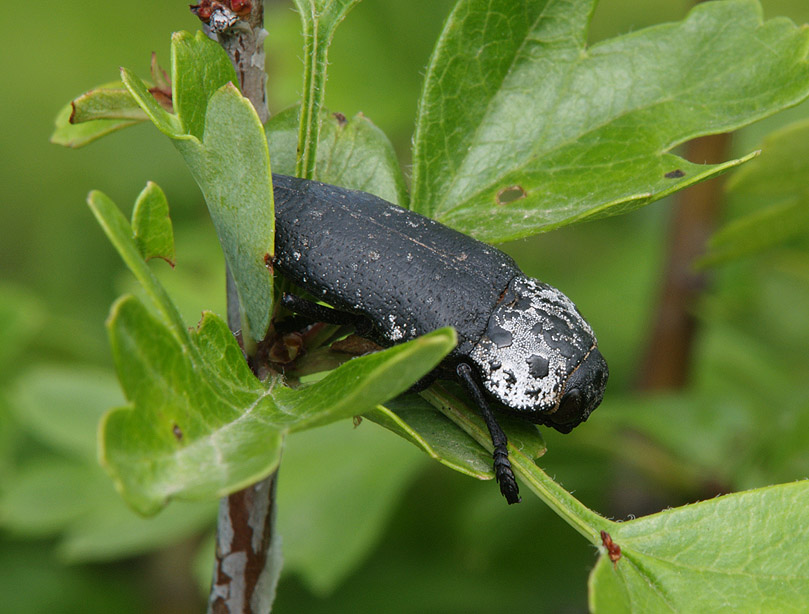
(523, 347)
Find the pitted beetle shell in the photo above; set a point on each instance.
(408, 275)
(534, 340)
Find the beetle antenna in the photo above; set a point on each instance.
(502, 466)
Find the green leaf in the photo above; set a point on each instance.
(201, 426)
(758, 231)
(64, 483)
(21, 315)
(168, 123)
(744, 552)
(352, 153)
(88, 516)
(121, 235)
(525, 445)
(222, 140)
(522, 123)
(62, 405)
(779, 183)
(109, 101)
(232, 168)
(199, 67)
(329, 475)
(152, 225)
(111, 530)
(319, 19)
(78, 135)
(414, 419)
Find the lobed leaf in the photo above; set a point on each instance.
(522, 123)
(744, 552)
(201, 426)
(222, 140)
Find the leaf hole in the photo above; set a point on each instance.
(510, 194)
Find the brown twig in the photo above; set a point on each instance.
(247, 551)
(667, 358)
(238, 25)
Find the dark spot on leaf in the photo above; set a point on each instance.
(178, 433)
(268, 261)
(357, 421)
(341, 119)
(510, 194)
(675, 174)
(613, 549)
(538, 366)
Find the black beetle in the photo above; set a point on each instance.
(396, 275)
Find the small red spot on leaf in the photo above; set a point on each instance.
(613, 549)
(510, 194)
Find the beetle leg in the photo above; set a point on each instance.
(321, 313)
(502, 466)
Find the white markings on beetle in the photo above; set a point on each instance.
(534, 340)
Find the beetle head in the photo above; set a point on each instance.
(538, 357)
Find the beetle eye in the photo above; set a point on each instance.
(569, 408)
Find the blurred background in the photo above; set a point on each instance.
(369, 523)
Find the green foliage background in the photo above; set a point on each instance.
(443, 543)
